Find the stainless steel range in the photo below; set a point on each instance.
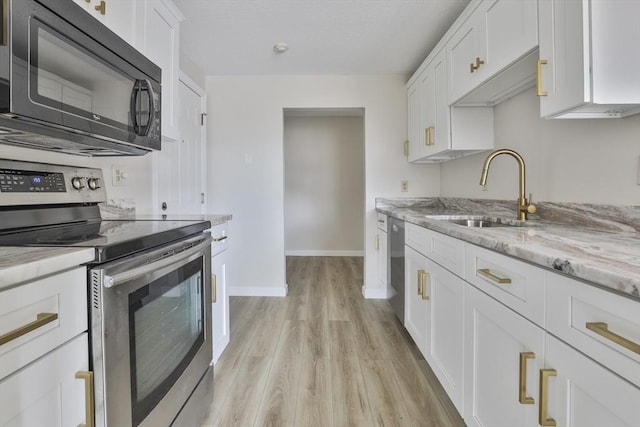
(149, 292)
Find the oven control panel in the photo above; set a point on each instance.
(25, 183)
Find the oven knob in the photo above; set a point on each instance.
(76, 182)
(93, 183)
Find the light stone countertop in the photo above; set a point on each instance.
(215, 219)
(19, 265)
(594, 243)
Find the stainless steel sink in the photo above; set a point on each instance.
(478, 220)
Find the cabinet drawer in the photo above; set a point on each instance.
(447, 251)
(382, 222)
(516, 284)
(416, 237)
(47, 393)
(59, 302)
(601, 324)
(220, 234)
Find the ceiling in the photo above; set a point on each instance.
(226, 37)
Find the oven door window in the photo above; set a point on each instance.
(166, 322)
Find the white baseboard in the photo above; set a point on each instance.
(323, 253)
(219, 348)
(258, 291)
(374, 293)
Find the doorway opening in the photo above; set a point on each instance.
(324, 182)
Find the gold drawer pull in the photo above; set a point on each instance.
(425, 275)
(489, 275)
(101, 7)
(522, 396)
(87, 376)
(602, 329)
(214, 288)
(420, 273)
(539, 90)
(41, 320)
(219, 239)
(543, 419)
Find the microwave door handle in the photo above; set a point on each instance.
(152, 106)
(110, 281)
(134, 110)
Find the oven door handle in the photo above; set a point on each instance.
(118, 278)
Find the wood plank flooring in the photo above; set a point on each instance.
(323, 356)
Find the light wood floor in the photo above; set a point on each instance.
(323, 356)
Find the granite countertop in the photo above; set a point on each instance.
(19, 265)
(215, 219)
(595, 243)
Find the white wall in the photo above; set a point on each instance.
(139, 184)
(324, 185)
(245, 136)
(570, 160)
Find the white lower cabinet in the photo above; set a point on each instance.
(444, 348)
(220, 298)
(415, 303)
(499, 390)
(47, 392)
(583, 393)
(502, 341)
(433, 317)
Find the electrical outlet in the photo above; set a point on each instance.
(404, 185)
(119, 176)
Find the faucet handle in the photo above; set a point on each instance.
(529, 207)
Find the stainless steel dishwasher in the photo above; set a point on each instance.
(396, 266)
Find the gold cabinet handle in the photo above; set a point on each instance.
(377, 244)
(522, 396)
(426, 136)
(214, 288)
(420, 273)
(41, 320)
(429, 136)
(219, 239)
(425, 275)
(101, 7)
(87, 376)
(539, 90)
(602, 329)
(406, 148)
(543, 419)
(485, 272)
(474, 67)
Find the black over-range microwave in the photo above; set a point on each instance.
(69, 84)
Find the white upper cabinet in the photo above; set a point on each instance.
(496, 37)
(159, 39)
(117, 15)
(590, 58)
(437, 131)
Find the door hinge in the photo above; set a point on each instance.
(202, 116)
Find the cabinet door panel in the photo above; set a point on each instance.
(562, 46)
(585, 394)
(414, 122)
(415, 307)
(466, 45)
(46, 392)
(445, 330)
(220, 314)
(511, 31)
(494, 338)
